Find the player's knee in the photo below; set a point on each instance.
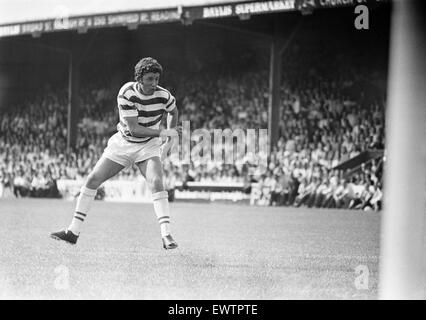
(156, 184)
(93, 181)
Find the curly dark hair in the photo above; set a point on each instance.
(146, 65)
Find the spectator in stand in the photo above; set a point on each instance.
(376, 199)
(39, 185)
(269, 186)
(343, 195)
(21, 185)
(307, 192)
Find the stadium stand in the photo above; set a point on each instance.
(322, 124)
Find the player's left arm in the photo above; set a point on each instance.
(172, 114)
(172, 118)
(172, 123)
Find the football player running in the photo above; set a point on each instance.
(141, 106)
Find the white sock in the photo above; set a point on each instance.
(161, 208)
(83, 205)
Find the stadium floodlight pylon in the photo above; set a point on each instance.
(402, 246)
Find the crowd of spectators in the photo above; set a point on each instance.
(316, 186)
(321, 124)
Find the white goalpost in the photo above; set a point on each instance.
(403, 218)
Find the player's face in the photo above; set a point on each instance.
(150, 82)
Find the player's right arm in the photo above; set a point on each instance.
(139, 131)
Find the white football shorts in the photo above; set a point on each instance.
(126, 153)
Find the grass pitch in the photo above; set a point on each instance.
(225, 252)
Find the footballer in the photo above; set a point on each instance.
(141, 106)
